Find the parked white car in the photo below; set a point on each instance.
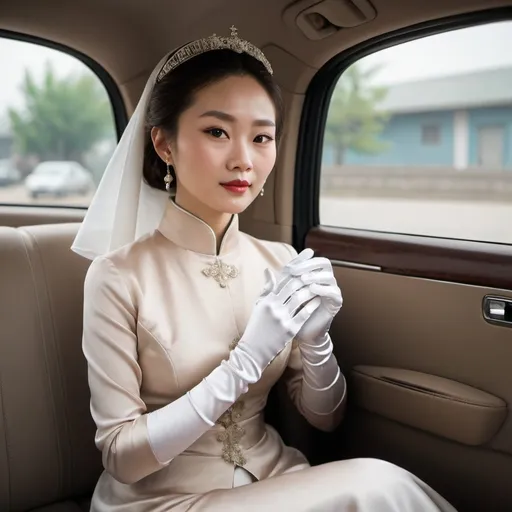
(59, 178)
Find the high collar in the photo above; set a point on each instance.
(191, 233)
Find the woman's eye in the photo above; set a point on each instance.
(260, 139)
(216, 132)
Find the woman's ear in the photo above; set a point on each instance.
(161, 144)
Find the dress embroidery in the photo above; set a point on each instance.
(221, 272)
(233, 433)
(234, 343)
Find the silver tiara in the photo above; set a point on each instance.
(214, 42)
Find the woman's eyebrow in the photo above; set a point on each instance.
(223, 116)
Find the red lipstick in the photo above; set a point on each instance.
(236, 186)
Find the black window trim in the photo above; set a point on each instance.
(113, 92)
(317, 101)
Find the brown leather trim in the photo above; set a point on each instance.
(27, 215)
(461, 261)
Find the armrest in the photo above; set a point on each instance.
(434, 404)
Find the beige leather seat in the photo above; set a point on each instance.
(48, 461)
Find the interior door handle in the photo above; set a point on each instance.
(498, 310)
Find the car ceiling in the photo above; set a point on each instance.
(128, 38)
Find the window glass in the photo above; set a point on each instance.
(57, 129)
(419, 139)
(431, 134)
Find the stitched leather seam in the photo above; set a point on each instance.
(431, 393)
(26, 237)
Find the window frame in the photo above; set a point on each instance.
(427, 132)
(448, 259)
(114, 95)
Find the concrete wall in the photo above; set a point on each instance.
(417, 182)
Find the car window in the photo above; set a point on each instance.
(55, 115)
(418, 139)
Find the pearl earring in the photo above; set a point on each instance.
(262, 192)
(168, 178)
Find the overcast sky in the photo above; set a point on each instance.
(459, 51)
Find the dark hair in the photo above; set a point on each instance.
(175, 93)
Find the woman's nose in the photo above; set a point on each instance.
(240, 158)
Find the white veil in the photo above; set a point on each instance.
(124, 207)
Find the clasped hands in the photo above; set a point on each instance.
(300, 302)
(318, 281)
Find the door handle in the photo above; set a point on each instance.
(498, 310)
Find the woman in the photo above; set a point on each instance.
(188, 322)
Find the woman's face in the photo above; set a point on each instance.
(225, 147)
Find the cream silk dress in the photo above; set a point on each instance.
(159, 315)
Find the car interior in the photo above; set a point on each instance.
(424, 336)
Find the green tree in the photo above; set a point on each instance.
(354, 120)
(62, 118)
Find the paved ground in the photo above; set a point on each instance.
(477, 220)
(453, 219)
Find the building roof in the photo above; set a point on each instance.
(487, 88)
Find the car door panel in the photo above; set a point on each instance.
(437, 328)
(473, 479)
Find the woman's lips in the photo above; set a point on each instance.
(236, 186)
(236, 189)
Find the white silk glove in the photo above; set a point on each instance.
(276, 319)
(274, 322)
(317, 273)
(324, 388)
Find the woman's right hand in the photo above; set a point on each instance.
(277, 317)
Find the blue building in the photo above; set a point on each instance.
(462, 121)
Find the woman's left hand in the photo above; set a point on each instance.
(317, 273)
